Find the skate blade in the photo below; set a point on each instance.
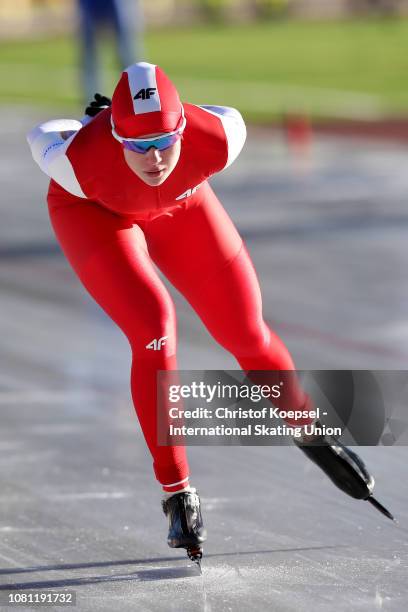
(196, 554)
(380, 507)
(198, 566)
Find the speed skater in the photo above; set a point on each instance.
(129, 189)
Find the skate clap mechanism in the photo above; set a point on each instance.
(344, 467)
(186, 529)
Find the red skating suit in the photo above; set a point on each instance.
(90, 164)
(113, 228)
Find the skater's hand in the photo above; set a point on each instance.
(97, 105)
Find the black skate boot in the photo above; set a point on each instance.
(344, 467)
(186, 529)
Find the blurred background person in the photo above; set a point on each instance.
(122, 18)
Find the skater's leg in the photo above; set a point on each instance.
(210, 265)
(110, 257)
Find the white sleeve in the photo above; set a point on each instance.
(48, 149)
(234, 127)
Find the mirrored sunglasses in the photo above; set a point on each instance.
(142, 145)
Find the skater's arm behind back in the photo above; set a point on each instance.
(49, 142)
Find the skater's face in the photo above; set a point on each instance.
(154, 166)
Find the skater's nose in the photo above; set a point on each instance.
(154, 155)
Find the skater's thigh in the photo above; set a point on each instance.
(202, 254)
(83, 227)
(110, 257)
(230, 305)
(193, 244)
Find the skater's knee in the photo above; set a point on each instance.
(249, 341)
(155, 331)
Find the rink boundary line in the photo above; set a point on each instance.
(62, 497)
(355, 222)
(45, 396)
(270, 97)
(330, 338)
(87, 495)
(29, 250)
(334, 103)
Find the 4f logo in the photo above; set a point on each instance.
(156, 345)
(145, 94)
(188, 193)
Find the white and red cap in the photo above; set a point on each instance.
(145, 101)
